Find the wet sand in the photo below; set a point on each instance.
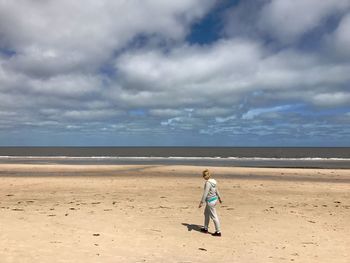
(104, 213)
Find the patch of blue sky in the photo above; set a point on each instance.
(107, 69)
(310, 111)
(7, 52)
(138, 112)
(209, 28)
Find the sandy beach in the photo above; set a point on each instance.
(107, 213)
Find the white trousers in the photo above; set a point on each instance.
(210, 212)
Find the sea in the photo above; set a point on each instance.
(293, 157)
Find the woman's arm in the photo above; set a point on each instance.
(218, 194)
(205, 193)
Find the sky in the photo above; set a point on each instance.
(175, 73)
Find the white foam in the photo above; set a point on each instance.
(171, 158)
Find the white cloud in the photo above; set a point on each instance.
(332, 99)
(287, 21)
(171, 122)
(188, 75)
(341, 38)
(225, 119)
(188, 64)
(66, 85)
(251, 114)
(221, 74)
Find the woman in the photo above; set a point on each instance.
(210, 196)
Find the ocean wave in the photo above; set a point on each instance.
(214, 158)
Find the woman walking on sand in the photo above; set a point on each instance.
(210, 196)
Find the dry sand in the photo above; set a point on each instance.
(72, 213)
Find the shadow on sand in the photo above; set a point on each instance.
(191, 227)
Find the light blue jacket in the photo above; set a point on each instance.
(210, 190)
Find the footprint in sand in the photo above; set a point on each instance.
(17, 209)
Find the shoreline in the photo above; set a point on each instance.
(303, 163)
(247, 173)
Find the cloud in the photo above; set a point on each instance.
(332, 99)
(251, 114)
(187, 75)
(223, 74)
(341, 38)
(225, 119)
(165, 112)
(129, 68)
(287, 21)
(51, 33)
(283, 23)
(50, 57)
(171, 122)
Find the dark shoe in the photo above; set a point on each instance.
(204, 230)
(216, 234)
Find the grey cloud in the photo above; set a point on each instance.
(44, 63)
(340, 39)
(332, 99)
(289, 20)
(241, 19)
(165, 112)
(66, 85)
(286, 22)
(212, 111)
